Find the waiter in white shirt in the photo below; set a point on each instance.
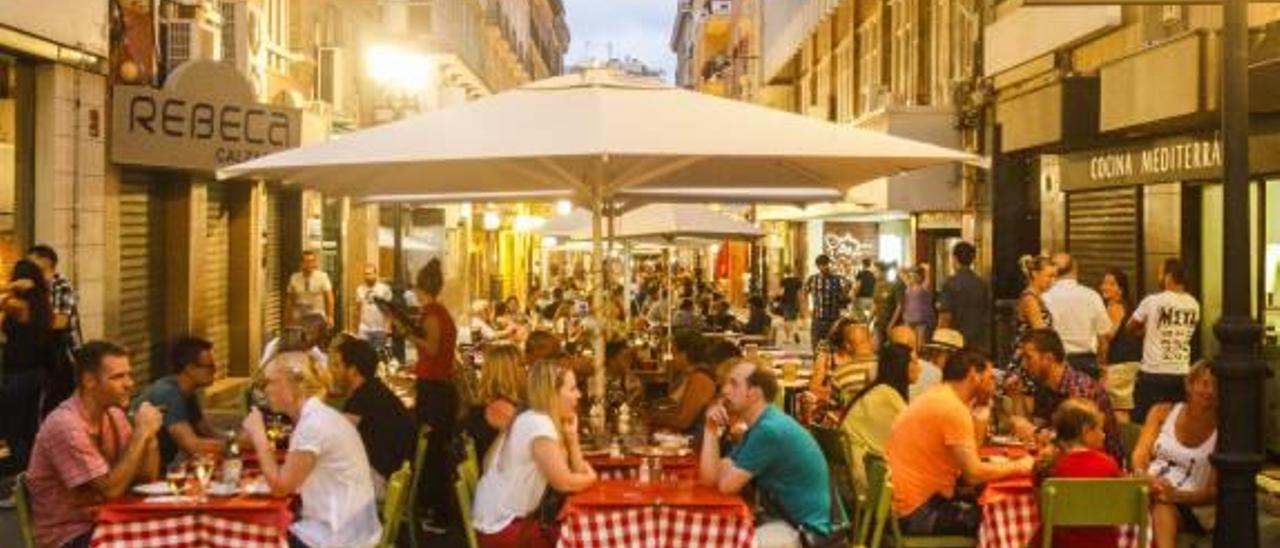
(1079, 317)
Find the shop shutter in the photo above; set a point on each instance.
(141, 278)
(1104, 231)
(216, 272)
(274, 284)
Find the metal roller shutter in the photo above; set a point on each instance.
(141, 278)
(1104, 231)
(216, 272)
(274, 284)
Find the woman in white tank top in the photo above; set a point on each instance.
(1173, 452)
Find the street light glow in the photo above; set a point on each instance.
(563, 207)
(492, 221)
(404, 70)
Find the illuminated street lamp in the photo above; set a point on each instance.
(564, 207)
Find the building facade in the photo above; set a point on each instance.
(902, 67)
(1086, 161)
(53, 133)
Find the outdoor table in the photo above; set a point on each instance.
(628, 467)
(1011, 509)
(655, 515)
(234, 522)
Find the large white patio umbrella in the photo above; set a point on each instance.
(597, 136)
(657, 222)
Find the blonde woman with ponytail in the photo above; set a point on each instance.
(540, 450)
(326, 462)
(1039, 273)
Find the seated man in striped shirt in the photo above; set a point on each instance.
(847, 360)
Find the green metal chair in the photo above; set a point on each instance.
(880, 491)
(835, 447)
(393, 512)
(464, 493)
(469, 467)
(410, 510)
(22, 501)
(1074, 502)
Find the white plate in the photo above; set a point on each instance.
(154, 488)
(221, 489)
(258, 487)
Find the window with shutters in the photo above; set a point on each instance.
(845, 96)
(904, 50)
(177, 43)
(229, 31)
(965, 26)
(869, 64)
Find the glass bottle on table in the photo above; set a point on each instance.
(232, 464)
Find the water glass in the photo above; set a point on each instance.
(176, 475)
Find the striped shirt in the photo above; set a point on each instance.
(852, 376)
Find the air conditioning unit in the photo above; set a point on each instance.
(329, 84)
(720, 7)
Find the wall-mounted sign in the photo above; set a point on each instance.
(1183, 158)
(205, 118)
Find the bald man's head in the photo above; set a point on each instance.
(1065, 265)
(903, 335)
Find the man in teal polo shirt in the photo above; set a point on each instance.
(775, 451)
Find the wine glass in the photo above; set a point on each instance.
(273, 429)
(204, 473)
(176, 475)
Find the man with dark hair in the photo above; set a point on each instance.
(60, 382)
(775, 452)
(383, 421)
(66, 308)
(185, 428)
(934, 441)
(965, 301)
(310, 291)
(1043, 358)
(541, 345)
(1166, 321)
(829, 294)
(865, 290)
(87, 451)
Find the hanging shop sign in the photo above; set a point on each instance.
(205, 118)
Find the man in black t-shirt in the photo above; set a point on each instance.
(385, 426)
(865, 291)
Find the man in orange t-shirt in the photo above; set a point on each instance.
(934, 442)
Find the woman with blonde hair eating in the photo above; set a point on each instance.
(326, 462)
(540, 450)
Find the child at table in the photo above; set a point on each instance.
(1079, 453)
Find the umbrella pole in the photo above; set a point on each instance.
(597, 263)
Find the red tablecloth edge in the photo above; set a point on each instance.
(265, 511)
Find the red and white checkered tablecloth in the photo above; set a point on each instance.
(656, 527)
(187, 530)
(1012, 521)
